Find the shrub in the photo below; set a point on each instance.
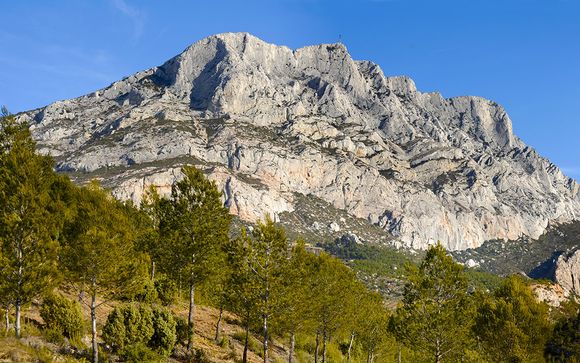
(181, 329)
(128, 324)
(200, 356)
(139, 352)
(53, 335)
(62, 316)
(132, 325)
(145, 293)
(166, 290)
(164, 332)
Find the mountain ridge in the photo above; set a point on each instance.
(266, 121)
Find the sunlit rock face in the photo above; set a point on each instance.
(567, 271)
(268, 123)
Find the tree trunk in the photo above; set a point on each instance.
(7, 319)
(324, 347)
(152, 270)
(292, 344)
(317, 347)
(350, 346)
(437, 351)
(265, 342)
(399, 355)
(94, 327)
(190, 330)
(18, 307)
(218, 324)
(245, 356)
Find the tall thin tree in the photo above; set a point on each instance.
(29, 221)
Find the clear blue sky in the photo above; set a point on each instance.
(524, 54)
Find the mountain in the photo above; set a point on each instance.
(285, 131)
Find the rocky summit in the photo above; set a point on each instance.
(272, 125)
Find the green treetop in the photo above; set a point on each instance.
(195, 227)
(435, 316)
(512, 325)
(99, 255)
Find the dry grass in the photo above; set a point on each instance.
(227, 349)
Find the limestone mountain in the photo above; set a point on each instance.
(277, 127)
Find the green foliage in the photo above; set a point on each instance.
(128, 324)
(30, 217)
(133, 324)
(139, 352)
(181, 329)
(512, 325)
(145, 292)
(370, 259)
(99, 252)
(564, 342)
(483, 280)
(166, 290)
(195, 226)
(436, 314)
(372, 326)
(62, 316)
(164, 332)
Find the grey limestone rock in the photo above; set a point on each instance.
(267, 122)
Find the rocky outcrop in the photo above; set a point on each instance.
(552, 294)
(567, 272)
(269, 123)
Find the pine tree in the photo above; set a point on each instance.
(242, 291)
(372, 324)
(296, 292)
(29, 219)
(99, 254)
(195, 227)
(436, 314)
(512, 325)
(334, 287)
(268, 255)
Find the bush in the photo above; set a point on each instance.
(181, 329)
(145, 293)
(132, 325)
(166, 290)
(139, 352)
(164, 332)
(62, 316)
(53, 335)
(200, 356)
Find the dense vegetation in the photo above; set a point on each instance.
(57, 236)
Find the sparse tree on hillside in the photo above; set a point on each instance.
(268, 255)
(436, 314)
(29, 219)
(99, 254)
(334, 285)
(512, 325)
(153, 207)
(195, 227)
(296, 293)
(372, 325)
(242, 291)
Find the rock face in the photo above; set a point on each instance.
(567, 273)
(269, 123)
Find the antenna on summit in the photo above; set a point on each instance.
(340, 38)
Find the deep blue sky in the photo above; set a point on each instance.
(524, 54)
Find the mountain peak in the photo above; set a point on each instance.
(273, 125)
